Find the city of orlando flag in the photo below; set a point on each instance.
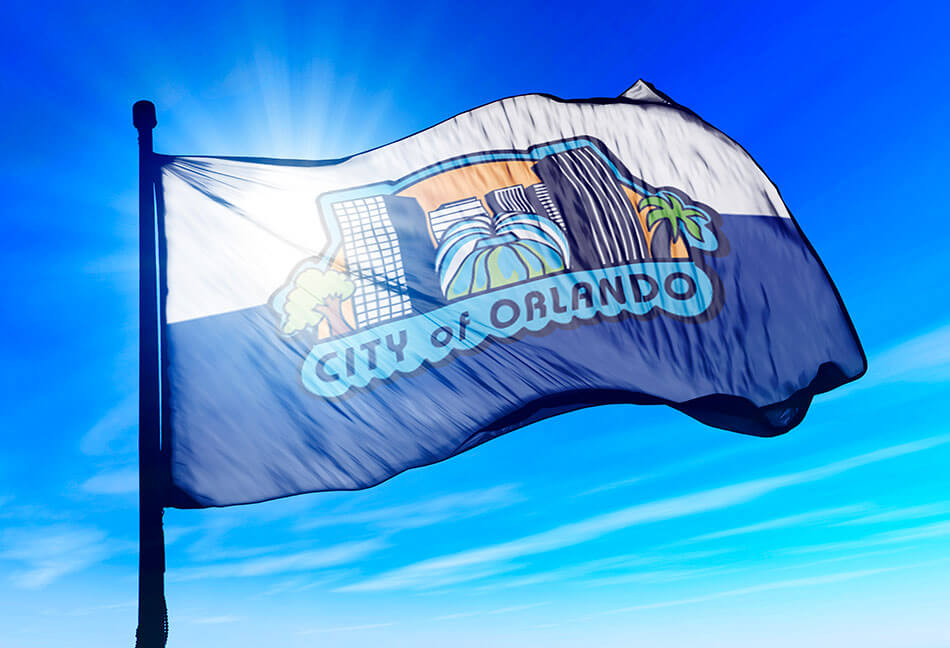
(329, 324)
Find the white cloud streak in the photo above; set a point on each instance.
(47, 553)
(923, 532)
(123, 481)
(353, 628)
(455, 506)
(95, 609)
(899, 515)
(115, 431)
(215, 620)
(601, 565)
(763, 587)
(505, 610)
(801, 519)
(659, 576)
(420, 575)
(674, 468)
(301, 561)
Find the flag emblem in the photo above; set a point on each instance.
(492, 245)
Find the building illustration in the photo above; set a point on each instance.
(374, 261)
(478, 223)
(509, 199)
(446, 215)
(541, 203)
(601, 222)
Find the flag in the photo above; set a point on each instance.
(330, 324)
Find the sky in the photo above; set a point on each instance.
(612, 526)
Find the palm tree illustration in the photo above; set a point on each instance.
(670, 219)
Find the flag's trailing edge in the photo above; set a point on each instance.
(331, 324)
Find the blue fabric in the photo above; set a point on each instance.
(242, 428)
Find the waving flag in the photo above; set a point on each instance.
(331, 324)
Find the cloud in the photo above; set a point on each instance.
(812, 517)
(679, 466)
(764, 587)
(922, 359)
(115, 432)
(849, 556)
(214, 526)
(420, 514)
(174, 533)
(85, 611)
(897, 515)
(215, 620)
(50, 552)
(610, 564)
(353, 628)
(301, 561)
(300, 584)
(114, 482)
(620, 483)
(659, 576)
(420, 575)
(504, 610)
(923, 532)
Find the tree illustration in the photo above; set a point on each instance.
(670, 219)
(316, 296)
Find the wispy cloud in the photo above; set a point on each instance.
(672, 469)
(477, 613)
(801, 519)
(923, 532)
(352, 628)
(455, 506)
(215, 620)
(301, 561)
(420, 575)
(174, 533)
(620, 483)
(49, 552)
(898, 515)
(860, 555)
(86, 611)
(222, 553)
(611, 564)
(301, 584)
(115, 431)
(763, 587)
(922, 359)
(113, 482)
(659, 576)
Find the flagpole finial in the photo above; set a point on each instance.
(143, 115)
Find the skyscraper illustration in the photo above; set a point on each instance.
(466, 209)
(373, 259)
(508, 199)
(543, 205)
(602, 226)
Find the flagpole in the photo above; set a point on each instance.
(152, 629)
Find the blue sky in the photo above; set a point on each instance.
(613, 526)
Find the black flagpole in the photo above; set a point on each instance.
(152, 629)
